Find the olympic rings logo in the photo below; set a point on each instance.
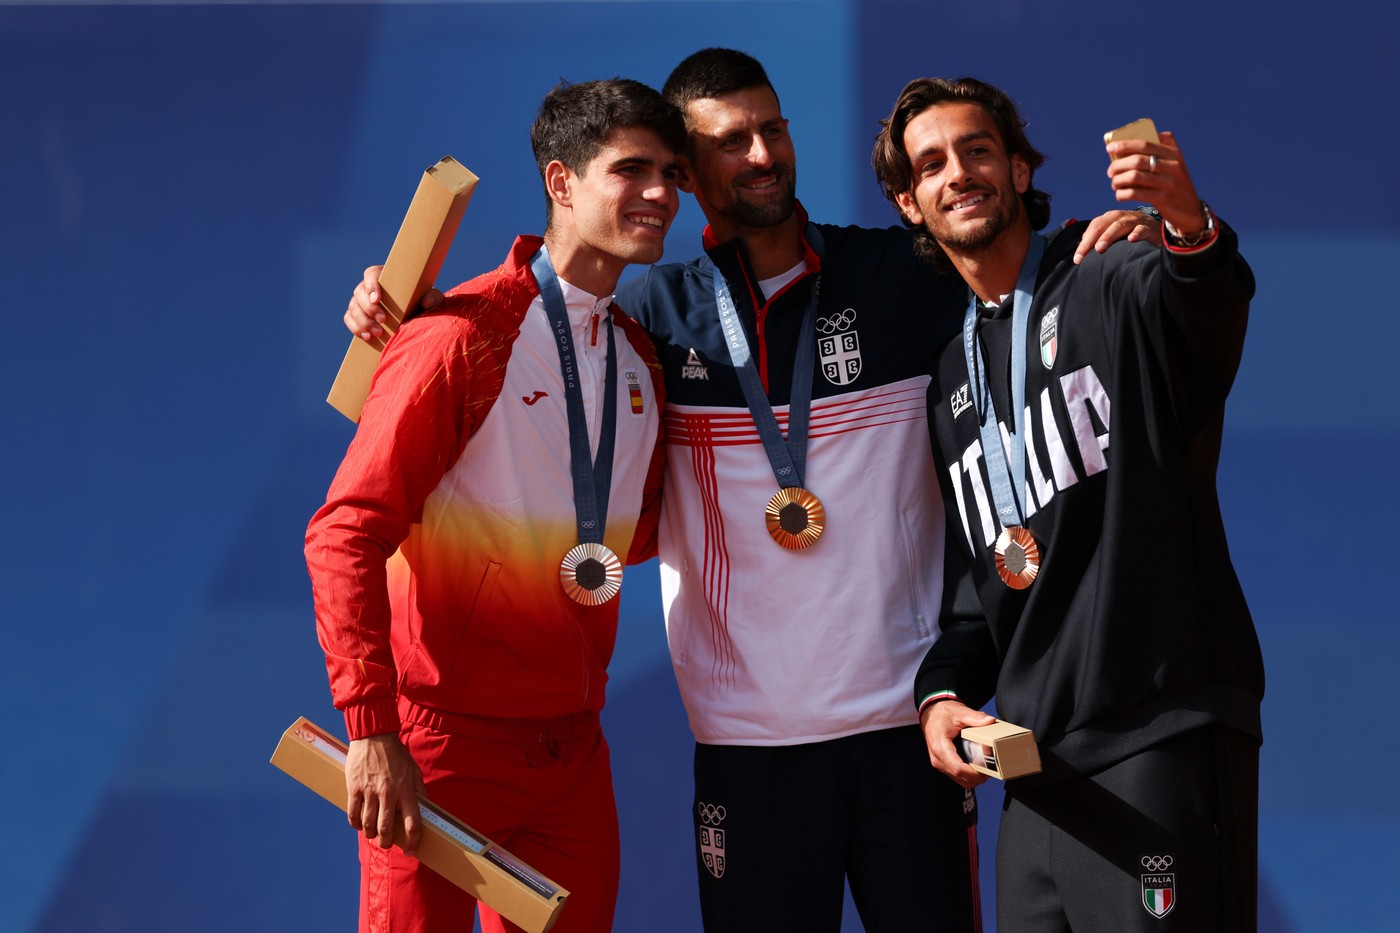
(838, 321)
(710, 814)
(1157, 862)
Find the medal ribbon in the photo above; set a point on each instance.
(1007, 488)
(787, 458)
(592, 481)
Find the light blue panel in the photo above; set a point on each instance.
(467, 80)
(146, 153)
(1334, 872)
(1329, 837)
(1327, 725)
(1324, 335)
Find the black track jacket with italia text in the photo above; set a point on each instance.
(1136, 628)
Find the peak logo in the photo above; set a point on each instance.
(694, 368)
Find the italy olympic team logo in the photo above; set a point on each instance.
(1159, 885)
(711, 837)
(1050, 337)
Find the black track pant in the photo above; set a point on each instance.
(1164, 841)
(779, 829)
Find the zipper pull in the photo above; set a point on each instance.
(593, 334)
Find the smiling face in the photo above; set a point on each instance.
(743, 170)
(615, 211)
(966, 190)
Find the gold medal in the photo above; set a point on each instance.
(795, 518)
(591, 574)
(1018, 557)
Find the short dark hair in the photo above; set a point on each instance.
(711, 73)
(575, 121)
(895, 172)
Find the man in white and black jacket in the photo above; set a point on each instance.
(1100, 606)
(794, 664)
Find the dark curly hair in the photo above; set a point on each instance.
(895, 172)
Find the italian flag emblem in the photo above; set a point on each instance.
(1159, 894)
(1050, 337)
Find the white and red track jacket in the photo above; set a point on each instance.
(435, 560)
(777, 647)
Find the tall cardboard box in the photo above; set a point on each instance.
(449, 847)
(413, 265)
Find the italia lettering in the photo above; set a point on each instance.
(1088, 405)
(1059, 460)
(1082, 391)
(1038, 486)
(972, 468)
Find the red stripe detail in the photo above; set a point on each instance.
(1171, 247)
(760, 326)
(715, 566)
(688, 435)
(972, 858)
(727, 430)
(935, 697)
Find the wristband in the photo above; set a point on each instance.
(1176, 238)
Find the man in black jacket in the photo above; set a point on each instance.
(1111, 621)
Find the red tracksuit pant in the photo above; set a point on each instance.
(541, 789)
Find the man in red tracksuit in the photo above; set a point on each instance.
(466, 563)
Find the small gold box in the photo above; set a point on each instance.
(1002, 750)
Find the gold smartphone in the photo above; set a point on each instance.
(1138, 129)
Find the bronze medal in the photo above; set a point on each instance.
(591, 574)
(795, 518)
(1017, 557)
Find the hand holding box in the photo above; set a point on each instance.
(1002, 750)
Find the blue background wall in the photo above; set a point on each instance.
(189, 193)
